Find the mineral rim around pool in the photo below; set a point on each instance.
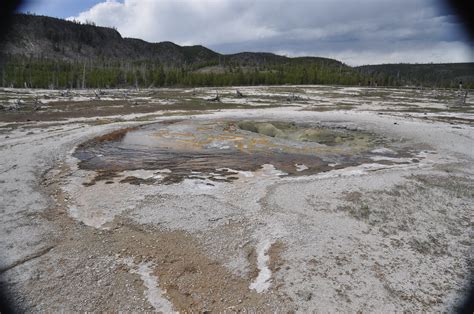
(212, 149)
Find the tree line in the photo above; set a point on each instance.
(22, 72)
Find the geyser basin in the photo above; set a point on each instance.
(212, 149)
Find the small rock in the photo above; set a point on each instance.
(305, 295)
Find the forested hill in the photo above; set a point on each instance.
(57, 39)
(51, 38)
(419, 74)
(45, 52)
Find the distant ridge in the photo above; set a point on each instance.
(53, 38)
(434, 74)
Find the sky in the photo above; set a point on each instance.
(356, 32)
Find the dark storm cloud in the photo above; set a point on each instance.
(356, 32)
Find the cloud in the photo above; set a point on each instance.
(356, 32)
(437, 53)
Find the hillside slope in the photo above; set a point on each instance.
(419, 74)
(51, 38)
(57, 39)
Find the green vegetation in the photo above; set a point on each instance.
(46, 73)
(34, 72)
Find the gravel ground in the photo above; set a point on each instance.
(372, 237)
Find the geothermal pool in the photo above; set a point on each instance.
(215, 150)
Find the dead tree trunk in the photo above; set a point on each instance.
(84, 77)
